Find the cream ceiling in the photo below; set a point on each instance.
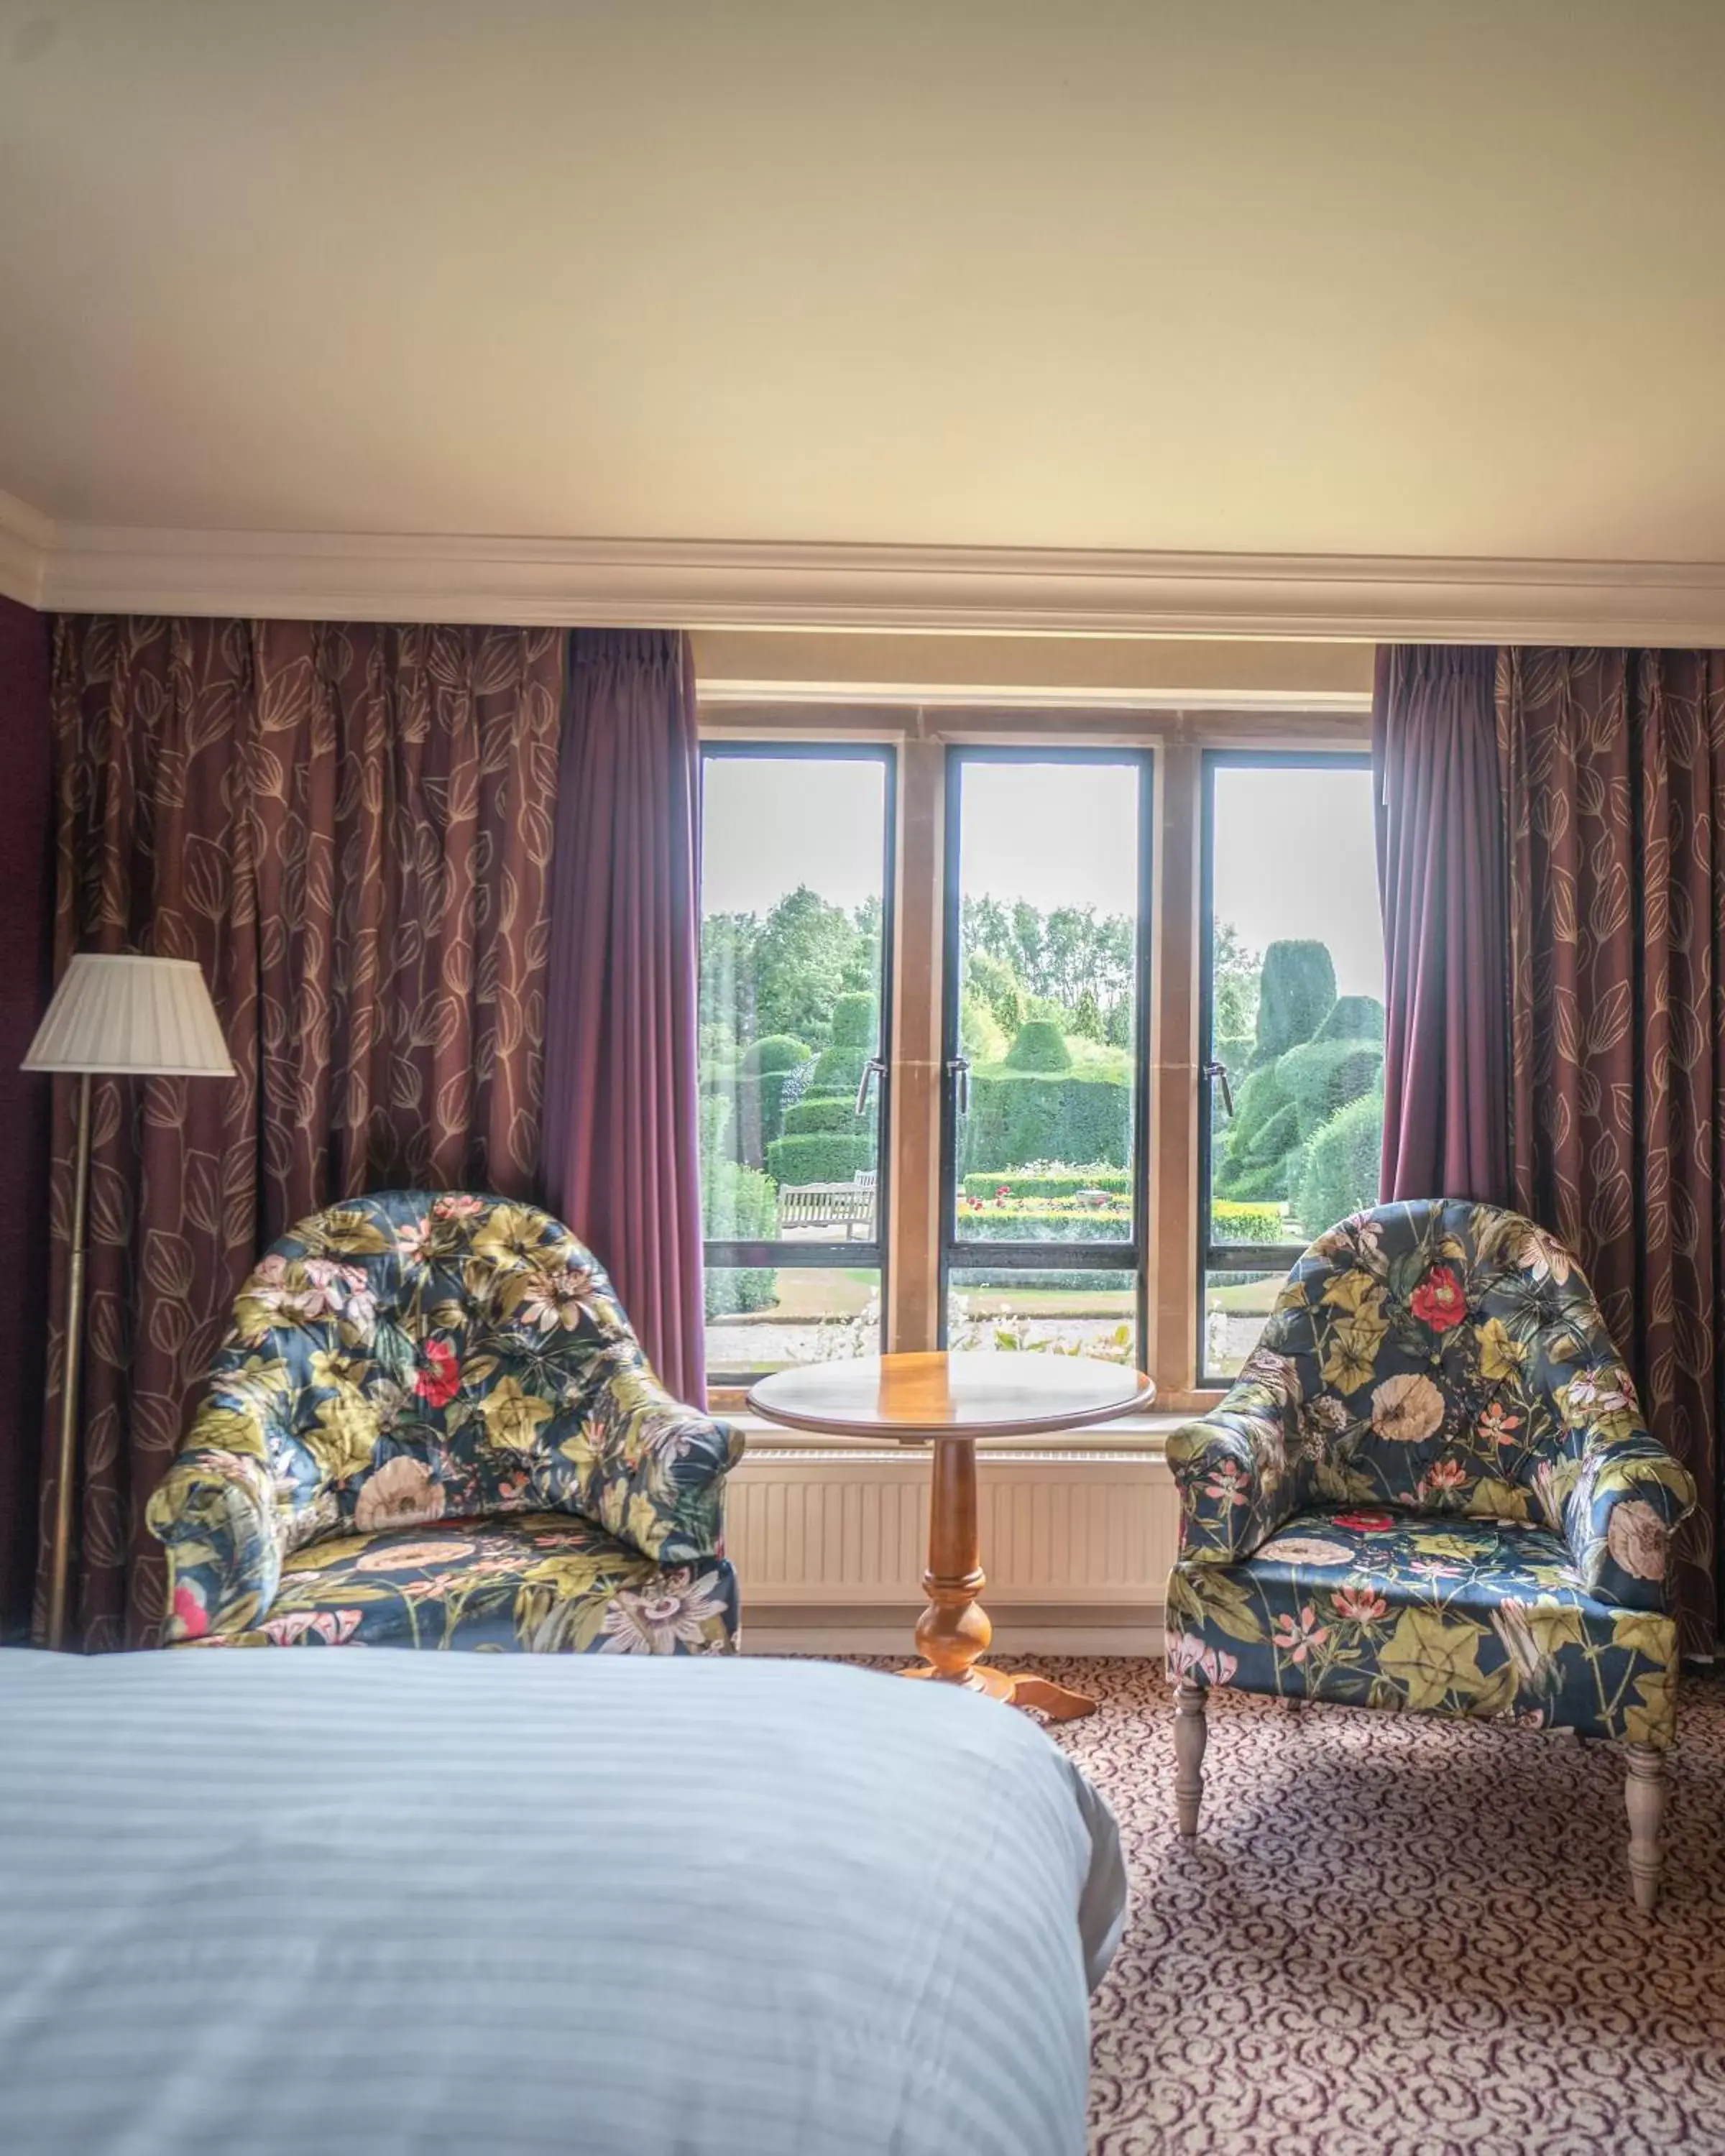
(1310, 277)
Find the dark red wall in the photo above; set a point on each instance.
(26, 920)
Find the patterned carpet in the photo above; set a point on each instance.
(1403, 1937)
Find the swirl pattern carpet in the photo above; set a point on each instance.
(1402, 1936)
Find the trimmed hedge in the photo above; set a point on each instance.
(1016, 1116)
(1034, 1223)
(1298, 985)
(839, 1070)
(1041, 1046)
(1232, 1222)
(821, 1114)
(1353, 1018)
(818, 1157)
(774, 1051)
(1340, 1175)
(854, 1023)
(1322, 1077)
(1054, 1183)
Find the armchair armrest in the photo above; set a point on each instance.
(1628, 1496)
(1231, 1469)
(649, 1470)
(214, 1513)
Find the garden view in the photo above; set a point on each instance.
(790, 1021)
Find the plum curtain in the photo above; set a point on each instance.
(621, 1159)
(1440, 874)
(350, 828)
(1613, 778)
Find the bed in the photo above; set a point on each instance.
(252, 1904)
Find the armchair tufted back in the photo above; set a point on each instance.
(1441, 1356)
(418, 1355)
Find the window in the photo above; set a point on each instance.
(796, 925)
(1047, 908)
(1292, 1026)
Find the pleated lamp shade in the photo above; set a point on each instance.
(151, 1018)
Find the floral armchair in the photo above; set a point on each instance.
(1431, 1489)
(431, 1426)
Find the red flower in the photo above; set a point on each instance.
(190, 1615)
(1365, 1523)
(1438, 1300)
(439, 1385)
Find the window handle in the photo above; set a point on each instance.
(1217, 1073)
(958, 1070)
(872, 1069)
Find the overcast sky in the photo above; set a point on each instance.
(1293, 857)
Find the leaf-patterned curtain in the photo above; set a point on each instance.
(350, 828)
(1614, 773)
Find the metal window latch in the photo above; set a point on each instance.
(958, 1070)
(872, 1069)
(1217, 1073)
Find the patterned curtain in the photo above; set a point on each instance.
(350, 828)
(1614, 773)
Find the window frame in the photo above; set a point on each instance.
(730, 1253)
(1132, 1256)
(1232, 1257)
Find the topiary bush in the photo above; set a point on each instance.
(1297, 987)
(1353, 1018)
(1266, 1168)
(1322, 1076)
(854, 1022)
(1041, 1046)
(774, 1051)
(1015, 1117)
(1339, 1173)
(838, 1070)
(819, 1157)
(819, 1113)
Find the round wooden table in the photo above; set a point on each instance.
(948, 1402)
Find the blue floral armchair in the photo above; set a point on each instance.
(1431, 1489)
(431, 1426)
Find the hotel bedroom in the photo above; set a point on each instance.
(847, 844)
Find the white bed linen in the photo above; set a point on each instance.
(257, 1903)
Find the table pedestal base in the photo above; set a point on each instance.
(1022, 1690)
(954, 1631)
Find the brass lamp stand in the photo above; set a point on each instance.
(126, 1016)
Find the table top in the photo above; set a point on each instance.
(918, 1397)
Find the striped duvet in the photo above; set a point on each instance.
(322, 1903)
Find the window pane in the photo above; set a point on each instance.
(1057, 1312)
(1047, 898)
(1296, 1000)
(760, 1320)
(1235, 1305)
(793, 884)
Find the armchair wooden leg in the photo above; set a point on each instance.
(1189, 1733)
(1644, 1794)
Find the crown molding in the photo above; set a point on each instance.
(701, 584)
(27, 539)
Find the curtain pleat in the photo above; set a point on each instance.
(1441, 874)
(621, 1162)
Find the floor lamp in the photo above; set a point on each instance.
(124, 1016)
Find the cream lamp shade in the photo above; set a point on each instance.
(151, 1018)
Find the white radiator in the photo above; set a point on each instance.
(829, 1546)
